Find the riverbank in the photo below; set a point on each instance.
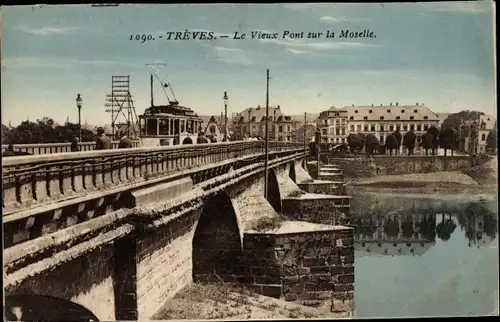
(456, 183)
(474, 181)
(223, 301)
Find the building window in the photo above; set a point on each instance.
(355, 111)
(280, 128)
(359, 128)
(352, 128)
(381, 117)
(402, 111)
(391, 128)
(326, 122)
(398, 127)
(342, 140)
(325, 132)
(337, 131)
(381, 139)
(405, 127)
(280, 138)
(415, 111)
(419, 127)
(398, 118)
(388, 111)
(365, 117)
(419, 138)
(411, 117)
(370, 111)
(412, 127)
(365, 128)
(483, 137)
(426, 127)
(372, 128)
(351, 118)
(337, 114)
(337, 140)
(343, 131)
(382, 128)
(426, 117)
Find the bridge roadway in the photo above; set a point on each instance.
(112, 235)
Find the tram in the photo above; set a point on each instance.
(170, 124)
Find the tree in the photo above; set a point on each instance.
(445, 228)
(409, 140)
(456, 119)
(354, 142)
(427, 142)
(448, 139)
(362, 141)
(435, 138)
(491, 141)
(391, 228)
(391, 142)
(398, 137)
(372, 143)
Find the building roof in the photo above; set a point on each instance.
(258, 113)
(390, 112)
(490, 121)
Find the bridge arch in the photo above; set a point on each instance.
(217, 244)
(35, 307)
(187, 140)
(291, 172)
(273, 191)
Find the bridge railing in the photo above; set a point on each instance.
(37, 179)
(47, 148)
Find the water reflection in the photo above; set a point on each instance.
(411, 226)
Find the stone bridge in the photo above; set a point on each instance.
(112, 235)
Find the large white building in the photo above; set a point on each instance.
(335, 124)
(487, 124)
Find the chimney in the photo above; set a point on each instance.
(274, 115)
(258, 107)
(417, 103)
(372, 104)
(278, 107)
(397, 103)
(390, 104)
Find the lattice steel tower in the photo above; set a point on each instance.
(120, 104)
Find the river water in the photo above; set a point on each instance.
(425, 257)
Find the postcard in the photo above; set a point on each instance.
(249, 161)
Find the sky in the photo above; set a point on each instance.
(437, 54)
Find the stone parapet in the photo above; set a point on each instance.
(39, 179)
(48, 148)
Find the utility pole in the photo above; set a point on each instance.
(266, 161)
(305, 123)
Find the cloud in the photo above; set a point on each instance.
(460, 7)
(318, 46)
(330, 19)
(37, 62)
(296, 51)
(47, 31)
(232, 55)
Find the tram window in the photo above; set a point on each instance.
(182, 126)
(152, 127)
(163, 127)
(143, 127)
(189, 127)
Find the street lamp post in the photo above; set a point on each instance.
(79, 106)
(226, 99)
